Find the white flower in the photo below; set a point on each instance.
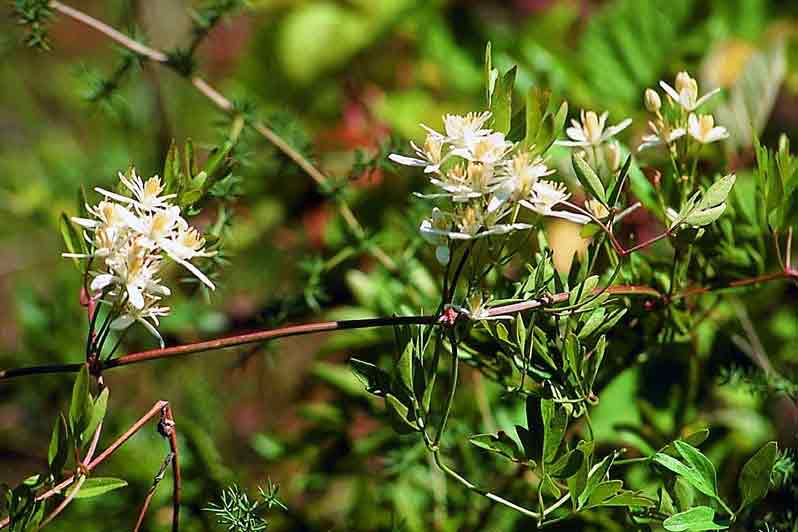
(489, 149)
(467, 223)
(686, 92)
(131, 237)
(591, 131)
(146, 195)
(703, 129)
(430, 157)
(661, 135)
(546, 195)
(464, 130)
(147, 315)
(517, 178)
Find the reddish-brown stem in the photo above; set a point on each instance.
(144, 507)
(168, 430)
(326, 326)
(171, 433)
(785, 274)
(89, 467)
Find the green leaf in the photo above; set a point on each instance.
(605, 490)
(80, 406)
(501, 102)
(72, 240)
(171, 169)
(700, 218)
(617, 187)
(573, 354)
(583, 291)
(588, 178)
(694, 438)
(593, 322)
(98, 409)
(96, 486)
(693, 520)
(555, 421)
(520, 333)
(594, 479)
(59, 446)
(500, 443)
(404, 367)
(595, 361)
(578, 481)
(718, 192)
(699, 471)
(754, 480)
(532, 437)
(567, 465)
(376, 380)
(631, 499)
(401, 414)
(699, 463)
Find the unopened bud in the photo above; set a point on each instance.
(653, 102)
(612, 152)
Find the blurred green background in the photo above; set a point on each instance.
(342, 80)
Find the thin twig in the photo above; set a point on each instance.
(91, 465)
(225, 105)
(169, 429)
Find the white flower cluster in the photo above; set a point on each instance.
(684, 97)
(486, 177)
(130, 236)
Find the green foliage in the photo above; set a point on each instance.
(587, 407)
(238, 513)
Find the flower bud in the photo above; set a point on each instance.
(653, 102)
(612, 153)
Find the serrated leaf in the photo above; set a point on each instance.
(93, 487)
(754, 480)
(588, 178)
(693, 520)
